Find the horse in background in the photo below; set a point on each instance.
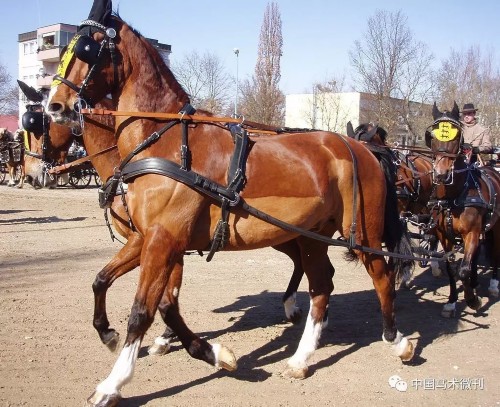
(12, 154)
(175, 216)
(465, 206)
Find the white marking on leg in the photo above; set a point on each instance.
(436, 271)
(290, 306)
(160, 347)
(308, 343)
(493, 288)
(448, 310)
(175, 292)
(123, 370)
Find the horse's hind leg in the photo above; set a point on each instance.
(124, 261)
(317, 267)
(384, 281)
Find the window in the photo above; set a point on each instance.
(49, 41)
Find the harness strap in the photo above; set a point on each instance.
(161, 166)
(64, 168)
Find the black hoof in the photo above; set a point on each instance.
(475, 303)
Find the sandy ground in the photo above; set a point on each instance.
(53, 242)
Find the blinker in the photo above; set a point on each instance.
(87, 50)
(33, 122)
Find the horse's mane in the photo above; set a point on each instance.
(160, 64)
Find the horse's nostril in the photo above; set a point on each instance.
(55, 108)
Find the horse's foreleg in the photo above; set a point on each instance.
(124, 261)
(215, 355)
(449, 308)
(160, 249)
(11, 176)
(22, 176)
(317, 267)
(384, 282)
(494, 235)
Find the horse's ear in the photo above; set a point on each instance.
(350, 130)
(455, 112)
(435, 112)
(30, 92)
(101, 11)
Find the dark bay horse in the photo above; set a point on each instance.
(12, 154)
(465, 207)
(305, 180)
(411, 173)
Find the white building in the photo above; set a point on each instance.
(324, 110)
(40, 52)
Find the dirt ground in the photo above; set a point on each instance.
(53, 242)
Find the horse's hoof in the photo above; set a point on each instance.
(448, 310)
(296, 316)
(405, 350)
(160, 347)
(103, 400)
(296, 373)
(112, 340)
(224, 358)
(475, 303)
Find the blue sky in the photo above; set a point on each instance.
(318, 34)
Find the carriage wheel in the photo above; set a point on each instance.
(3, 173)
(97, 180)
(80, 179)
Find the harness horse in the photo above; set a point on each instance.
(99, 142)
(187, 190)
(12, 154)
(465, 206)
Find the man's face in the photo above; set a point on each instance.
(469, 117)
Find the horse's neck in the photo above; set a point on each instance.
(97, 141)
(457, 188)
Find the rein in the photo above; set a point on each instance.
(64, 168)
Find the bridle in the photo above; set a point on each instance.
(443, 131)
(88, 50)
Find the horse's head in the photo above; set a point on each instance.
(109, 59)
(368, 132)
(46, 143)
(444, 138)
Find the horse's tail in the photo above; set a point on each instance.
(396, 235)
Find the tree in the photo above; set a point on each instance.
(9, 93)
(469, 76)
(325, 110)
(262, 100)
(205, 79)
(394, 67)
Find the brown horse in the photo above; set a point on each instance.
(305, 181)
(12, 154)
(465, 205)
(98, 140)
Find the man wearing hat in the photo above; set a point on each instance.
(474, 134)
